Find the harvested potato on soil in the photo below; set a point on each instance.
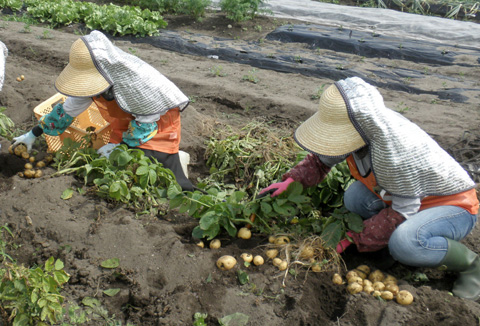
(354, 288)
(376, 276)
(355, 279)
(28, 166)
(378, 286)
(386, 295)
(390, 279)
(283, 265)
(215, 244)
(19, 149)
(258, 260)
(337, 279)
(244, 233)
(368, 289)
(38, 173)
(271, 253)
(200, 244)
(404, 297)
(276, 261)
(29, 173)
(316, 267)
(351, 274)
(307, 252)
(40, 164)
(392, 288)
(226, 262)
(281, 240)
(247, 257)
(271, 239)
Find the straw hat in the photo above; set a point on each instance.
(329, 132)
(80, 77)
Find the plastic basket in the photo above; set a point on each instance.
(89, 121)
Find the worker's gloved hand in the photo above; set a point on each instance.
(28, 139)
(276, 188)
(107, 149)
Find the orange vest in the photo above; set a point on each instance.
(467, 200)
(167, 139)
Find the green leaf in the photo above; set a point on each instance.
(354, 222)
(332, 234)
(49, 264)
(208, 219)
(236, 319)
(265, 207)
(198, 232)
(91, 302)
(110, 263)
(67, 194)
(111, 292)
(61, 277)
(21, 319)
(59, 265)
(243, 277)
(141, 170)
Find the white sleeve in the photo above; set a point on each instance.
(148, 118)
(406, 206)
(73, 106)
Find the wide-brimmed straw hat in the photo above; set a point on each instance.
(329, 131)
(80, 77)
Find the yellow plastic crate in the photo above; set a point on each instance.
(89, 121)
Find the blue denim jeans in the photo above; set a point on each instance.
(420, 240)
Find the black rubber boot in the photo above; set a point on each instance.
(461, 259)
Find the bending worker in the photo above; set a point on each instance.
(414, 197)
(142, 106)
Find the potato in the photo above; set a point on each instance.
(271, 253)
(368, 289)
(354, 288)
(38, 173)
(272, 238)
(316, 267)
(337, 279)
(378, 286)
(283, 265)
(19, 79)
(355, 279)
(258, 260)
(10, 149)
(404, 297)
(367, 282)
(20, 174)
(215, 244)
(281, 240)
(31, 159)
(389, 279)
(386, 295)
(307, 252)
(392, 288)
(28, 166)
(364, 268)
(277, 261)
(361, 273)
(19, 149)
(244, 233)
(226, 262)
(22, 77)
(200, 244)
(247, 257)
(377, 293)
(29, 173)
(376, 276)
(40, 164)
(351, 274)
(25, 155)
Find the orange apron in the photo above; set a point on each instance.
(467, 200)
(167, 139)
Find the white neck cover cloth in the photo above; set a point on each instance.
(3, 59)
(138, 87)
(406, 161)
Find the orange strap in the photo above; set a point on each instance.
(467, 200)
(167, 139)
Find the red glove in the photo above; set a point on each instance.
(343, 244)
(377, 230)
(276, 188)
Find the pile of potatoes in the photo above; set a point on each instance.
(361, 279)
(227, 262)
(32, 167)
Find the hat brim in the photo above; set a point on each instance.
(80, 83)
(329, 131)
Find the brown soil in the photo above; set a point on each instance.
(163, 276)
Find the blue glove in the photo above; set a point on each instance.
(107, 149)
(28, 139)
